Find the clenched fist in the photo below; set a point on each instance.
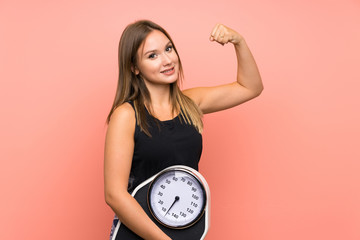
(223, 34)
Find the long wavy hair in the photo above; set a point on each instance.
(131, 87)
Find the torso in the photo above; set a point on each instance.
(172, 142)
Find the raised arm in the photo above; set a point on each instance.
(119, 147)
(248, 82)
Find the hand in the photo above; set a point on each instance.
(223, 34)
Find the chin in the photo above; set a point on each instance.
(176, 78)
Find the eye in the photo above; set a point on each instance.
(153, 55)
(169, 48)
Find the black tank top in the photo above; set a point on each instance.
(172, 142)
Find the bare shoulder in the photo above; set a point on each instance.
(125, 110)
(123, 118)
(193, 93)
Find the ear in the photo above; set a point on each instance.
(135, 70)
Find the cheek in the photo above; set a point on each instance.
(149, 70)
(146, 67)
(176, 58)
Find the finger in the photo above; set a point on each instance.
(221, 37)
(214, 29)
(222, 32)
(213, 32)
(220, 41)
(225, 39)
(218, 36)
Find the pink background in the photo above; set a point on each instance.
(283, 166)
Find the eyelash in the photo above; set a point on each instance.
(152, 55)
(168, 49)
(170, 46)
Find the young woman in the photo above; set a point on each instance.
(152, 123)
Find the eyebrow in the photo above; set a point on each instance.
(155, 49)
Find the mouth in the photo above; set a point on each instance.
(168, 71)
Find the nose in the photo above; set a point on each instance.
(166, 59)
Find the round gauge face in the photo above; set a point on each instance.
(177, 198)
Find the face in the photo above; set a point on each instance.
(157, 60)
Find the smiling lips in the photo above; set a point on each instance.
(169, 71)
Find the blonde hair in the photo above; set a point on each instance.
(131, 87)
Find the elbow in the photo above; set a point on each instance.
(259, 88)
(109, 199)
(259, 91)
(256, 92)
(112, 199)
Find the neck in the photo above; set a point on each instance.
(160, 95)
(161, 106)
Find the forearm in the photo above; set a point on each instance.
(130, 213)
(248, 74)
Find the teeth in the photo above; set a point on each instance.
(168, 70)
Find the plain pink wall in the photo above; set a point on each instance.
(283, 166)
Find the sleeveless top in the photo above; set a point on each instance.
(172, 142)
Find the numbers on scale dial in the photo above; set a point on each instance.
(187, 208)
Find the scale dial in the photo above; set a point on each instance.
(177, 198)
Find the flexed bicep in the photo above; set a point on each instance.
(248, 82)
(218, 98)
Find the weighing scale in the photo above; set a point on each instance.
(177, 200)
